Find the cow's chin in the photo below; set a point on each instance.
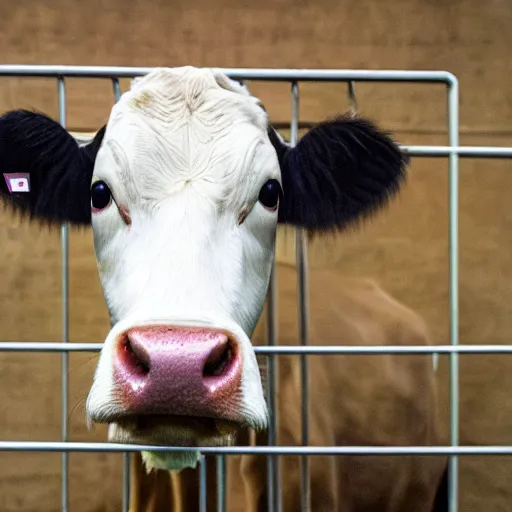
(175, 431)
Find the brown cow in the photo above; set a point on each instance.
(381, 400)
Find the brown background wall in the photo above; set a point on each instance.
(405, 248)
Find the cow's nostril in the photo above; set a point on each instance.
(136, 359)
(219, 360)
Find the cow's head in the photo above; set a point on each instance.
(184, 188)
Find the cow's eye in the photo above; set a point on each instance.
(100, 195)
(270, 193)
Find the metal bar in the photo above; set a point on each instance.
(352, 96)
(289, 75)
(51, 347)
(117, 89)
(480, 152)
(30, 346)
(273, 476)
(453, 152)
(202, 484)
(65, 323)
(221, 483)
(453, 138)
(462, 151)
(126, 482)
(47, 446)
(302, 281)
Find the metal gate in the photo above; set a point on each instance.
(293, 77)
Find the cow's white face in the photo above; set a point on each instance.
(184, 248)
(184, 188)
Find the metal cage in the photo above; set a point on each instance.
(293, 77)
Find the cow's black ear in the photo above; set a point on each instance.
(341, 171)
(47, 161)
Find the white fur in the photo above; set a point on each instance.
(185, 152)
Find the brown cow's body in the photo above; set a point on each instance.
(381, 400)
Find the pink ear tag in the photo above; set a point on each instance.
(17, 182)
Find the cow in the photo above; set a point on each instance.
(383, 400)
(184, 187)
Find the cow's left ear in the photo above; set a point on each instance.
(44, 173)
(339, 172)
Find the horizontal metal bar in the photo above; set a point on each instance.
(428, 151)
(317, 75)
(391, 349)
(462, 151)
(47, 446)
(20, 346)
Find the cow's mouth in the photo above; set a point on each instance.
(169, 430)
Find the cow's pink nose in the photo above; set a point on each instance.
(178, 371)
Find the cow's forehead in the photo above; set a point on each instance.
(188, 76)
(172, 96)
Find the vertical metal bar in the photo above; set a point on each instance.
(435, 356)
(65, 322)
(221, 483)
(435, 361)
(273, 477)
(117, 89)
(301, 256)
(352, 96)
(202, 484)
(126, 481)
(453, 134)
(301, 252)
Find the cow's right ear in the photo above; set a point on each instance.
(342, 171)
(46, 175)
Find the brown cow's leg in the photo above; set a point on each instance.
(162, 491)
(254, 472)
(186, 490)
(186, 484)
(149, 492)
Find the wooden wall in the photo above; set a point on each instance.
(405, 248)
